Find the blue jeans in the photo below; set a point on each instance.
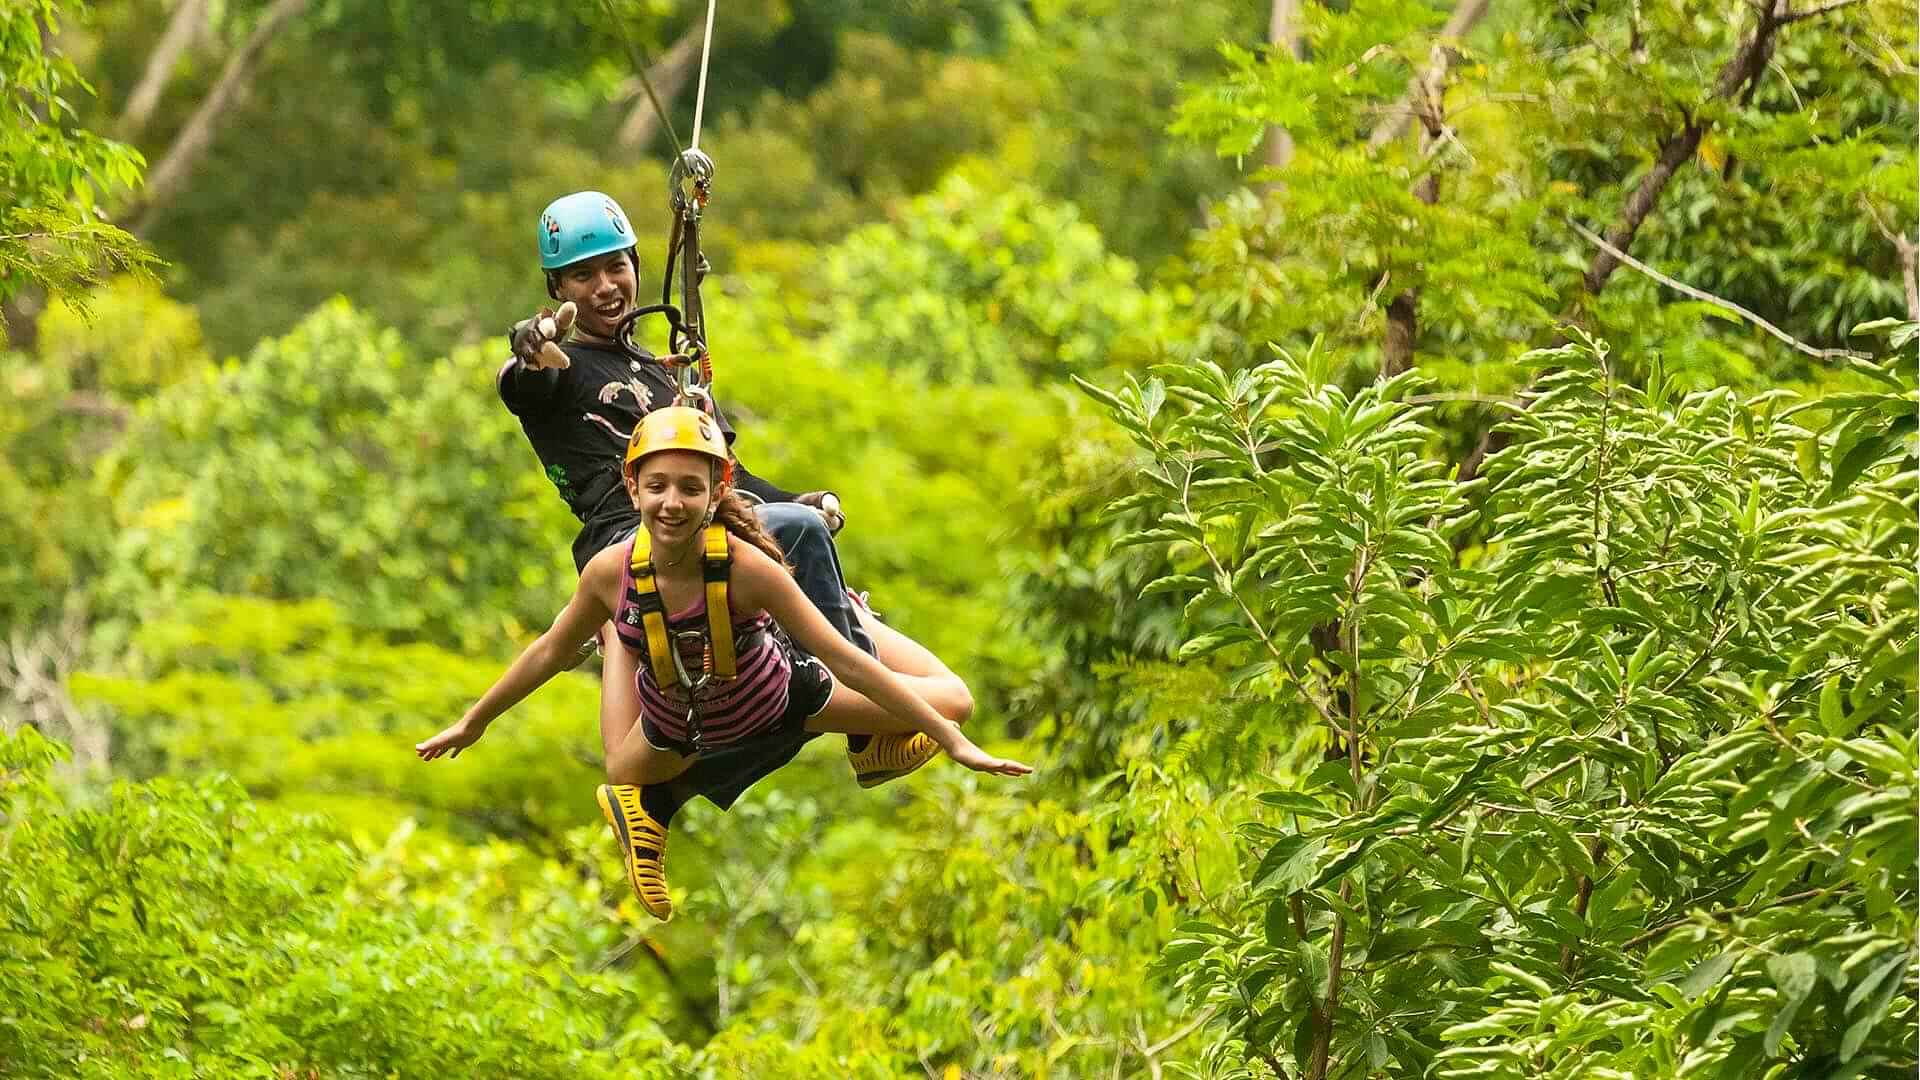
(816, 565)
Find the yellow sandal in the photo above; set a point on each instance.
(643, 843)
(889, 757)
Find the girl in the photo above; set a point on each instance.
(676, 473)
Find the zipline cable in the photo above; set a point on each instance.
(688, 183)
(700, 92)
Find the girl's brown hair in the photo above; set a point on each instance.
(741, 521)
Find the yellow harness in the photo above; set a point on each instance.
(644, 595)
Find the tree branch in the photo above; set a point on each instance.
(1167, 1043)
(1663, 928)
(1403, 311)
(186, 22)
(1283, 35)
(236, 79)
(1812, 13)
(1394, 124)
(669, 75)
(1909, 257)
(1741, 68)
(1707, 297)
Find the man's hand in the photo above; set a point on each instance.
(827, 505)
(534, 339)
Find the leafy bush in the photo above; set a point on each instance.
(173, 929)
(989, 281)
(298, 707)
(1628, 791)
(334, 464)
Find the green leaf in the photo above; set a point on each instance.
(1296, 802)
(1289, 864)
(1794, 974)
(1344, 863)
(1173, 583)
(1525, 978)
(1708, 972)
(1457, 793)
(1214, 642)
(1832, 715)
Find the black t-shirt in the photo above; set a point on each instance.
(579, 419)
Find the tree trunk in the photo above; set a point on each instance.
(669, 76)
(1745, 66)
(20, 319)
(1283, 34)
(1394, 124)
(1403, 311)
(236, 79)
(185, 25)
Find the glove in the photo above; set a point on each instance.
(827, 505)
(534, 339)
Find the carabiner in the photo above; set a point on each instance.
(689, 182)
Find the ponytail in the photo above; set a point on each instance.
(740, 520)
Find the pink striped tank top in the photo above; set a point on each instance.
(737, 708)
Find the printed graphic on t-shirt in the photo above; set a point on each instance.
(642, 396)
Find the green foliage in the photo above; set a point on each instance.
(295, 705)
(333, 464)
(59, 409)
(1629, 788)
(174, 929)
(886, 125)
(1108, 75)
(1002, 942)
(125, 340)
(977, 281)
(1546, 116)
(51, 172)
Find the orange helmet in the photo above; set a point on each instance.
(679, 427)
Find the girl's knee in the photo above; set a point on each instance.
(958, 703)
(623, 772)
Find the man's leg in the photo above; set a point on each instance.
(816, 568)
(816, 565)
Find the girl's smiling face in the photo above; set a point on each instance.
(672, 490)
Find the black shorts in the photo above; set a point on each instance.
(807, 694)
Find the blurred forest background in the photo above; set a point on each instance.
(1431, 485)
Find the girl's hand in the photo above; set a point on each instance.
(980, 761)
(457, 737)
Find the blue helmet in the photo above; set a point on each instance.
(580, 226)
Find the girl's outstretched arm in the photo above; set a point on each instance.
(760, 582)
(551, 653)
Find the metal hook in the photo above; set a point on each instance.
(689, 181)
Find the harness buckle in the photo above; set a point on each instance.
(692, 685)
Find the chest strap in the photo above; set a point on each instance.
(716, 566)
(643, 594)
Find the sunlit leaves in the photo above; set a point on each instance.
(51, 171)
(1644, 744)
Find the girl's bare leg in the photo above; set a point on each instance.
(619, 697)
(852, 713)
(640, 763)
(929, 677)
